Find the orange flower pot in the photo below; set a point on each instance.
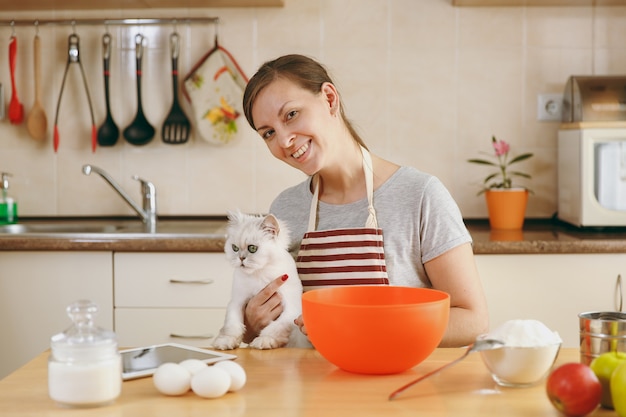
(506, 207)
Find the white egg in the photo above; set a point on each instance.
(211, 382)
(172, 379)
(237, 374)
(193, 365)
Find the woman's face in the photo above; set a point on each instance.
(296, 124)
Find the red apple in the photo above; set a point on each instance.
(574, 389)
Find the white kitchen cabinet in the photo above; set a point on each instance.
(170, 297)
(131, 4)
(35, 289)
(532, 3)
(551, 288)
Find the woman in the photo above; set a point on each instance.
(295, 107)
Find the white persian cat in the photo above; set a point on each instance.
(256, 246)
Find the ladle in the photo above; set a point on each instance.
(108, 132)
(36, 122)
(140, 131)
(480, 344)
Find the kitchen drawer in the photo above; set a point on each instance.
(187, 280)
(148, 326)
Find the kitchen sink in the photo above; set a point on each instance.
(16, 229)
(52, 227)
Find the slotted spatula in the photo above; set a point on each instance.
(176, 126)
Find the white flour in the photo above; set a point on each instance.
(525, 333)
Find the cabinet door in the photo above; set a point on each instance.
(551, 288)
(187, 280)
(137, 327)
(36, 288)
(170, 297)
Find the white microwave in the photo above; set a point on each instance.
(592, 176)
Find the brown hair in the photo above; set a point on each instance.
(301, 70)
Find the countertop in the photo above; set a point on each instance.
(544, 236)
(547, 236)
(299, 382)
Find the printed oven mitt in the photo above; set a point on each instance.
(214, 88)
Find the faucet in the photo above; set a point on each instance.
(148, 191)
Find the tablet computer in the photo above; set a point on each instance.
(143, 361)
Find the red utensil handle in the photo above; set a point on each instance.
(94, 139)
(56, 138)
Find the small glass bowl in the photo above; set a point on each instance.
(520, 366)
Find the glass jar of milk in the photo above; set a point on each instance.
(85, 367)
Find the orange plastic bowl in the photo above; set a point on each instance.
(375, 329)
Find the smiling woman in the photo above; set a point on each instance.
(354, 196)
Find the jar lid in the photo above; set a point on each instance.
(83, 340)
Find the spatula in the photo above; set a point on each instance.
(176, 126)
(16, 109)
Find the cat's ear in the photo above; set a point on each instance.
(234, 216)
(270, 225)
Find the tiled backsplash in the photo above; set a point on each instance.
(426, 83)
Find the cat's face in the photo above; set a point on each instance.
(251, 241)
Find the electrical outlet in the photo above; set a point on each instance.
(549, 107)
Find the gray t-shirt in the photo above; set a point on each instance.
(419, 218)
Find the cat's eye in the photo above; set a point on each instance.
(252, 248)
(235, 248)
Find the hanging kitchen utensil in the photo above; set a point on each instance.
(36, 121)
(176, 126)
(16, 109)
(1, 102)
(140, 131)
(214, 87)
(108, 133)
(73, 56)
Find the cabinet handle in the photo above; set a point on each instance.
(196, 281)
(182, 336)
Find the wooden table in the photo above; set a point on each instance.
(299, 382)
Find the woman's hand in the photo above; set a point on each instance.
(300, 323)
(263, 308)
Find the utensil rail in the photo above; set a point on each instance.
(112, 22)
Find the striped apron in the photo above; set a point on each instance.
(353, 256)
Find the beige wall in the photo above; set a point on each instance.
(426, 83)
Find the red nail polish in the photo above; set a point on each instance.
(284, 277)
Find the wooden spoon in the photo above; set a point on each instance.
(36, 122)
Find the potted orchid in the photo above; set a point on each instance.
(506, 203)
(502, 178)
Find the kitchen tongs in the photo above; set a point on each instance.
(74, 57)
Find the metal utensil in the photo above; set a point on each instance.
(140, 131)
(1, 102)
(176, 126)
(108, 132)
(73, 56)
(16, 109)
(480, 344)
(36, 121)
